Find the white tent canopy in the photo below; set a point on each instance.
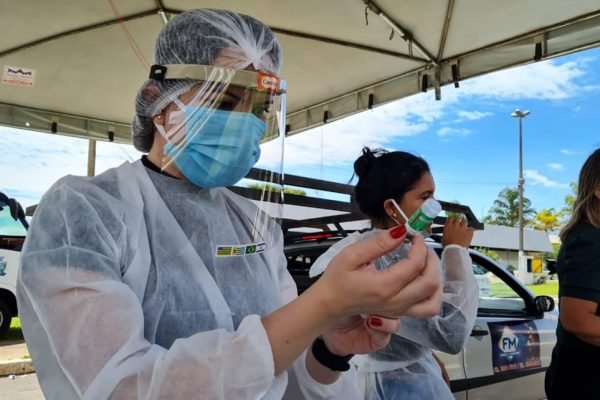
(73, 67)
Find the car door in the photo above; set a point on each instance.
(511, 342)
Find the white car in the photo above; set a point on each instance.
(12, 236)
(511, 342)
(481, 276)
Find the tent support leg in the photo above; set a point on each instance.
(91, 168)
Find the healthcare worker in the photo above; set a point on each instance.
(391, 187)
(152, 280)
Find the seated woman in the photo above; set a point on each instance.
(392, 185)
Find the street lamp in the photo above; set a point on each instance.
(522, 268)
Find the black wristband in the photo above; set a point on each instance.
(328, 359)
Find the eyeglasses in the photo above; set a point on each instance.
(225, 88)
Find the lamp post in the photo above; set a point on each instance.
(522, 268)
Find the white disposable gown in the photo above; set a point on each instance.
(406, 369)
(121, 294)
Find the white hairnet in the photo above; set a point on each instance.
(198, 37)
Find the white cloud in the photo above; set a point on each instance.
(31, 161)
(590, 88)
(340, 142)
(567, 152)
(555, 166)
(447, 131)
(472, 115)
(36, 160)
(535, 178)
(541, 81)
(383, 126)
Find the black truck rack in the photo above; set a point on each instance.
(341, 211)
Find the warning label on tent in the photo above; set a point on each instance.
(18, 76)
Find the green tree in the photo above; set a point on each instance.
(276, 189)
(505, 210)
(490, 253)
(455, 214)
(553, 255)
(567, 210)
(546, 220)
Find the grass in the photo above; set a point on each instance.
(550, 288)
(14, 332)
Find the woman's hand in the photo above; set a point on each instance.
(351, 285)
(357, 335)
(443, 370)
(456, 231)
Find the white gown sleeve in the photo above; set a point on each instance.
(85, 326)
(449, 330)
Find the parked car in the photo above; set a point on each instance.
(511, 342)
(483, 281)
(12, 236)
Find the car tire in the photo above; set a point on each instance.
(5, 318)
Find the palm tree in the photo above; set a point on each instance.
(569, 200)
(546, 220)
(505, 210)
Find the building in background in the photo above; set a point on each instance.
(504, 240)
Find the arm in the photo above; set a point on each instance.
(352, 286)
(579, 277)
(309, 372)
(579, 317)
(442, 369)
(449, 330)
(87, 327)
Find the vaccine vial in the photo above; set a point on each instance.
(416, 224)
(424, 216)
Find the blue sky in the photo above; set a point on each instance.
(468, 138)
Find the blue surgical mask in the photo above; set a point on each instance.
(220, 147)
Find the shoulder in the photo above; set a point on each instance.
(583, 236)
(80, 197)
(106, 182)
(589, 232)
(581, 248)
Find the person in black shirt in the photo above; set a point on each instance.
(573, 372)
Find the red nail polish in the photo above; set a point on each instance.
(398, 231)
(374, 321)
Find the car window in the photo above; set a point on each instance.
(496, 297)
(8, 226)
(299, 261)
(12, 233)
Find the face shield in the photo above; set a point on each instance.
(215, 130)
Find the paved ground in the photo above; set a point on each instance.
(13, 358)
(13, 350)
(22, 387)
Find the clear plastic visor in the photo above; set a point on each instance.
(215, 131)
